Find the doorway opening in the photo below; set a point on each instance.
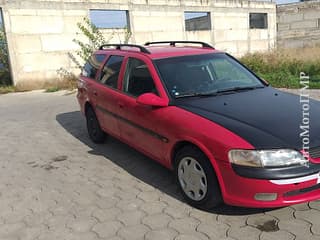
(5, 76)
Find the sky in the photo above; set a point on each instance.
(285, 1)
(108, 18)
(189, 15)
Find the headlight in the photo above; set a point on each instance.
(266, 158)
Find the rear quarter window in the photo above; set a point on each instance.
(91, 67)
(111, 70)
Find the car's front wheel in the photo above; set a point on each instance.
(95, 132)
(197, 179)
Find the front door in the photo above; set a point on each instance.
(138, 123)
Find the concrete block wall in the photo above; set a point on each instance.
(298, 24)
(39, 39)
(40, 32)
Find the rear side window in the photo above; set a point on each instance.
(91, 67)
(111, 70)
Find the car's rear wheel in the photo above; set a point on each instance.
(196, 178)
(95, 132)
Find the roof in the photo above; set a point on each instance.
(170, 51)
(161, 51)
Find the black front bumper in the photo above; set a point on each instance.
(277, 173)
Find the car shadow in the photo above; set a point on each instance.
(136, 164)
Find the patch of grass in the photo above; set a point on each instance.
(7, 89)
(281, 68)
(52, 89)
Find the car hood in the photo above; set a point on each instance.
(266, 118)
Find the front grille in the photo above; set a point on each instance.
(314, 152)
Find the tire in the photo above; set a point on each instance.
(96, 134)
(196, 179)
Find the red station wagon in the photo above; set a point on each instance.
(225, 133)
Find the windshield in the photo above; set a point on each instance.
(205, 74)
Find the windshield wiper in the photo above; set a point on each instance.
(217, 92)
(197, 94)
(237, 89)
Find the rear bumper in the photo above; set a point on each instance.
(243, 191)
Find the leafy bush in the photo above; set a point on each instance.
(94, 38)
(281, 68)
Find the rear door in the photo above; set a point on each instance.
(138, 123)
(107, 94)
(87, 85)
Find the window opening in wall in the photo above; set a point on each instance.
(258, 20)
(109, 18)
(197, 21)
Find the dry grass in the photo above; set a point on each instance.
(49, 86)
(65, 80)
(68, 83)
(282, 67)
(304, 54)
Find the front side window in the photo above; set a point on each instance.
(110, 72)
(92, 65)
(138, 79)
(205, 74)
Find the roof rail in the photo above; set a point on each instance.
(118, 47)
(173, 43)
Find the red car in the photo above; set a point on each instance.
(227, 135)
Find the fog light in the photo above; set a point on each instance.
(265, 196)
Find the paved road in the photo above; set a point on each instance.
(56, 184)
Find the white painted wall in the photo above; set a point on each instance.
(40, 32)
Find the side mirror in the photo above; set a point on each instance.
(150, 99)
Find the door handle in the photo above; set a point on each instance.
(121, 105)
